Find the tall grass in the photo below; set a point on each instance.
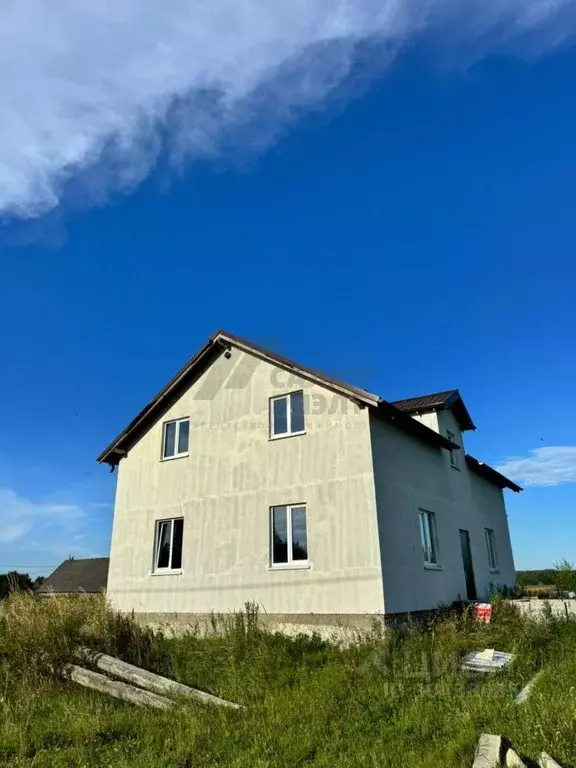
(397, 698)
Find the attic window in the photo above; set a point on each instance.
(287, 415)
(453, 451)
(175, 438)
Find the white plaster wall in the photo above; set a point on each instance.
(224, 489)
(410, 475)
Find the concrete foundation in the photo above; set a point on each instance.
(338, 627)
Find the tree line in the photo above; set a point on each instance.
(13, 581)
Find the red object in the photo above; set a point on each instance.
(483, 612)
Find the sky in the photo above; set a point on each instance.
(387, 200)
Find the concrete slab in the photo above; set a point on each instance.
(489, 751)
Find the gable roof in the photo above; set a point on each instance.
(88, 575)
(439, 401)
(221, 342)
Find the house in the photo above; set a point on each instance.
(250, 477)
(72, 576)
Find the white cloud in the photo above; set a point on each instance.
(553, 465)
(93, 89)
(29, 526)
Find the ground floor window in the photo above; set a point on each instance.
(491, 548)
(168, 545)
(288, 534)
(429, 537)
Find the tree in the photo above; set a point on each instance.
(14, 581)
(565, 576)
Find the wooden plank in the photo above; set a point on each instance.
(103, 684)
(152, 682)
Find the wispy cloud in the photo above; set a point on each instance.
(553, 465)
(95, 90)
(31, 529)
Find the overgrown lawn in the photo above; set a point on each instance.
(392, 699)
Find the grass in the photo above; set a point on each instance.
(386, 700)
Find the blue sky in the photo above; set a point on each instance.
(415, 236)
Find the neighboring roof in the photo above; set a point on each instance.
(89, 575)
(222, 341)
(490, 474)
(439, 401)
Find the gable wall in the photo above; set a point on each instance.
(224, 489)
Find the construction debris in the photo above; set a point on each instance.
(525, 692)
(489, 752)
(494, 751)
(545, 761)
(488, 660)
(103, 684)
(150, 681)
(513, 760)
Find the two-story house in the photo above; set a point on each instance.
(252, 478)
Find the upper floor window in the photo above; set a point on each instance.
(287, 415)
(453, 451)
(168, 545)
(289, 536)
(429, 537)
(491, 548)
(175, 438)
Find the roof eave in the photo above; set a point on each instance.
(456, 404)
(115, 451)
(491, 474)
(404, 421)
(219, 341)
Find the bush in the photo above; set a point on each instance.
(41, 634)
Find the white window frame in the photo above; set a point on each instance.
(453, 451)
(178, 422)
(289, 432)
(429, 538)
(491, 549)
(157, 529)
(291, 563)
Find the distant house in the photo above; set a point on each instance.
(73, 576)
(250, 477)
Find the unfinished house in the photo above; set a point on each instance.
(250, 477)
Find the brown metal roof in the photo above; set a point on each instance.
(86, 575)
(216, 345)
(448, 400)
(490, 474)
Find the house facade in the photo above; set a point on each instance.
(251, 478)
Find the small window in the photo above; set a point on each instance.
(168, 545)
(287, 415)
(453, 451)
(491, 548)
(175, 438)
(289, 536)
(429, 537)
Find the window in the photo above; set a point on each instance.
(288, 535)
(175, 438)
(287, 415)
(491, 548)
(429, 537)
(168, 545)
(453, 451)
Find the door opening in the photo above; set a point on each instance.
(467, 562)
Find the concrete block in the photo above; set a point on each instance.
(525, 692)
(545, 761)
(513, 760)
(489, 751)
